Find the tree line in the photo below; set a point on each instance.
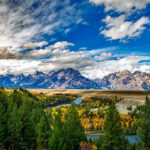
(26, 125)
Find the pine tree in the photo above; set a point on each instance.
(113, 139)
(44, 132)
(28, 131)
(56, 141)
(144, 123)
(3, 119)
(73, 129)
(16, 97)
(15, 127)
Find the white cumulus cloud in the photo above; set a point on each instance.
(122, 5)
(131, 63)
(104, 56)
(120, 28)
(92, 64)
(34, 45)
(60, 45)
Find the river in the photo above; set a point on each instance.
(132, 138)
(77, 100)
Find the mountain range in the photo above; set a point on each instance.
(61, 79)
(72, 79)
(126, 80)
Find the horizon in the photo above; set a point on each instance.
(94, 37)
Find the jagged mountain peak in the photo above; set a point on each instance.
(68, 71)
(124, 73)
(72, 79)
(38, 73)
(64, 78)
(126, 80)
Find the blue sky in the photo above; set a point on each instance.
(96, 37)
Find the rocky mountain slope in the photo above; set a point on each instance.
(126, 80)
(62, 79)
(72, 79)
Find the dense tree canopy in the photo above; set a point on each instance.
(113, 139)
(26, 124)
(144, 126)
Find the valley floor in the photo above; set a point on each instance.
(129, 97)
